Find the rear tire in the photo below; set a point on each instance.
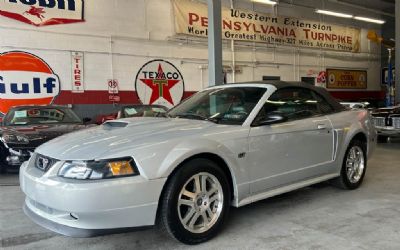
(354, 166)
(195, 202)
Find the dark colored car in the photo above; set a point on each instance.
(387, 122)
(26, 127)
(138, 110)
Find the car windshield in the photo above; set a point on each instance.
(36, 115)
(231, 105)
(140, 111)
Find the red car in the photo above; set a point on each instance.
(138, 110)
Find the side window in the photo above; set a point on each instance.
(292, 103)
(324, 106)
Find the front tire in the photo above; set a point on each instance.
(354, 166)
(195, 202)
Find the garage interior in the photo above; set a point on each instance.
(113, 42)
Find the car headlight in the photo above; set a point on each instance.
(15, 139)
(95, 170)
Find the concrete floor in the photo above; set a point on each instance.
(318, 217)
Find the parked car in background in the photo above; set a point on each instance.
(228, 145)
(356, 105)
(387, 122)
(26, 127)
(139, 110)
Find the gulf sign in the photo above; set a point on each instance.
(26, 79)
(43, 12)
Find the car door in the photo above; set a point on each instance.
(294, 150)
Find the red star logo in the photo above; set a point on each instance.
(160, 86)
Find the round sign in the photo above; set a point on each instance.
(26, 79)
(159, 82)
(332, 78)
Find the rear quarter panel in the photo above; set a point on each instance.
(347, 124)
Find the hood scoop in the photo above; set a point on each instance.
(114, 124)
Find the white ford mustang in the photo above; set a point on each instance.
(225, 146)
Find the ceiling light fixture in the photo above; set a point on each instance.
(270, 2)
(333, 13)
(370, 20)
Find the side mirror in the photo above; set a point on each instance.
(272, 119)
(86, 120)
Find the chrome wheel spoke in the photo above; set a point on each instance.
(197, 184)
(189, 194)
(194, 220)
(185, 202)
(210, 213)
(214, 198)
(206, 220)
(212, 191)
(204, 184)
(188, 216)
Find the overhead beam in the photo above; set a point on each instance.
(215, 74)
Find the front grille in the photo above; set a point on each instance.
(42, 162)
(396, 122)
(379, 121)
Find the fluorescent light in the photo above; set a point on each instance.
(370, 20)
(270, 2)
(333, 13)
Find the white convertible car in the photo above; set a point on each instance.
(225, 146)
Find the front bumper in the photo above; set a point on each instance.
(388, 131)
(88, 208)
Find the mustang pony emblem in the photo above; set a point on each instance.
(36, 12)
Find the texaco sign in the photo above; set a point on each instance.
(159, 82)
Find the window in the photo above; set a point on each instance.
(324, 106)
(271, 78)
(40, 115)
(309, 80)
(222, 105)
(292, 103)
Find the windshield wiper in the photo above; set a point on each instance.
(197, 117)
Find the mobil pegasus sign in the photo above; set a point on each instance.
(26, 79)
(43, 12)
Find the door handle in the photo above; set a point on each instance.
(321, 126)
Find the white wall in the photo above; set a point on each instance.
(119, 36)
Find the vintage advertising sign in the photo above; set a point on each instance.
(346, 79)
(77, 72)
(26, 79)
(191, 19)
(43, 12)
(159, 82)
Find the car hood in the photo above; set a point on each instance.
(38, 134)
(118, 135)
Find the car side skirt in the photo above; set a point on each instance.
(285, 189)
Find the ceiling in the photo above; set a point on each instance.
(381, 5)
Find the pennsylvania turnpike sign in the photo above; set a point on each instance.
(191, 19)
(43, 12)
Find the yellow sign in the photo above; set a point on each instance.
(191, 19)
(346, 79)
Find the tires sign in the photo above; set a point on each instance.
(26, 79)
(43, 12)
(159, 82)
